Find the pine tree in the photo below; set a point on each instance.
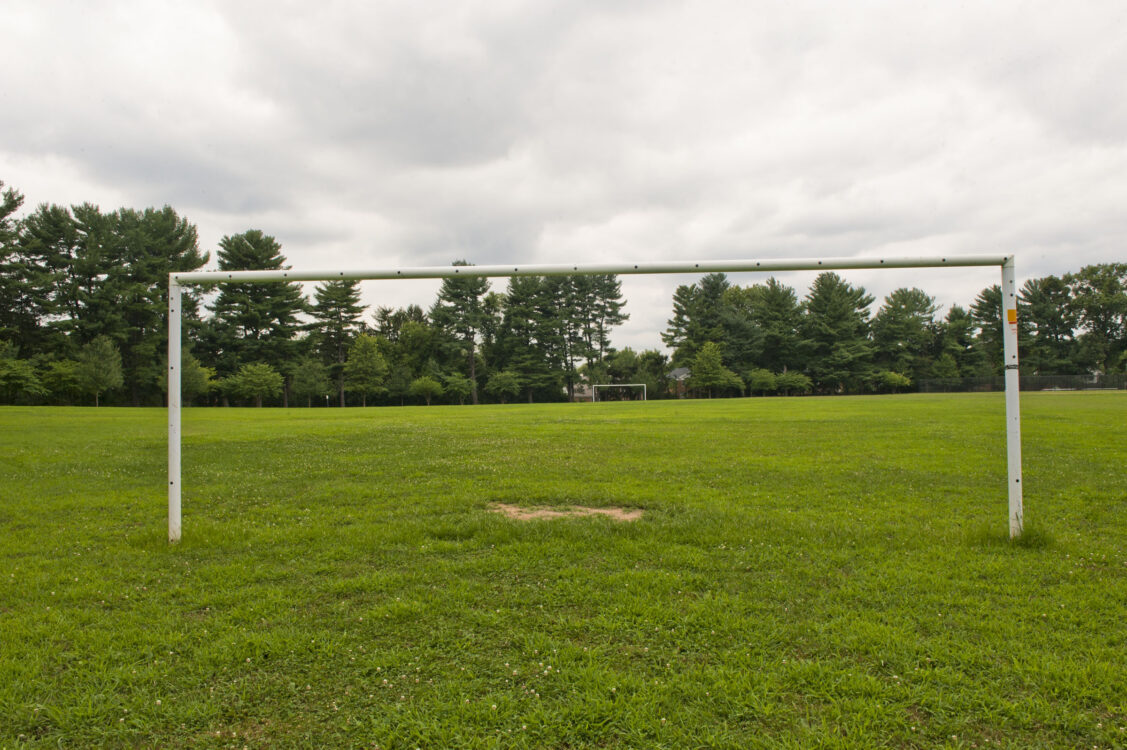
(460, 313)
(1052, 349)
(149, 245)
(957, 344)
(10, 201)
(698, 317)
(742, 337)
(676, 335)
(253, 322)
(904, 333)
(336, 313)
(389, 321)
(44, 307)
(987, 314)
(777, 312)
(835, 333)
(579, 310)
(14, 320)
(608, 310)
(87, 274)
(526, 340)
(562, 307)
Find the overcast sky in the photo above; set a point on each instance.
(374, 134)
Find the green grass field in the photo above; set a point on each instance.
(807, 573)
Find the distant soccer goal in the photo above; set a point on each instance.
(595, 389)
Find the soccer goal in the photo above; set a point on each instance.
(595, 389)
(177, 281)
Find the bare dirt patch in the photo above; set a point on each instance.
(521, 513)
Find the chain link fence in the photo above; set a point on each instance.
(1112, 382)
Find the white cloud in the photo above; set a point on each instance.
(408, 134)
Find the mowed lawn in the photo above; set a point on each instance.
(808, 572)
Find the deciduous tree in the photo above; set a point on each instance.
(18, 378)
(793, 381)
(196, 379)
(887, 381)
(456, 385)
(1099, 301)
(365, 370)
(61, 379)
(709, 372)
(99, 368)
(503, 385)
(761, 381)
(426, 388)
(255, 380)
(399, 382)
(309, 379)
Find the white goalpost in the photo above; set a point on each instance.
(177, 281)
(595, 389)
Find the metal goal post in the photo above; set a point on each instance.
(177, 281)
(595, 389)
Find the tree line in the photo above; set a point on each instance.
(763, 339)
(83, 319)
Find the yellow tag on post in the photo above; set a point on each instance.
(1011, 315)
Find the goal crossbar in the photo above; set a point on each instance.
(565, 269)
(177, 280)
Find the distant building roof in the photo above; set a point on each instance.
(680, 373)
